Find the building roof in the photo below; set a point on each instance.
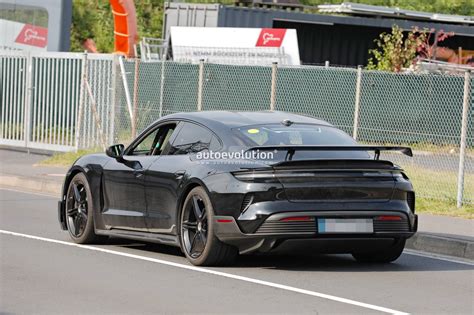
(233, 16)
(394, 12)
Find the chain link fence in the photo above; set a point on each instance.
(423, 111)
(64, 101)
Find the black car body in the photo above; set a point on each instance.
(320, 189)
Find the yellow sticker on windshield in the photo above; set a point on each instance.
(253, 131)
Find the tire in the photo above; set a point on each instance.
(383, 256)
(196, 232)
(80, 213)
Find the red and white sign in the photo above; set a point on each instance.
(33, 35)
(271, 37)
(228, 45)
(16, 35)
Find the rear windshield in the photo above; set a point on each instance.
(300, 134)
(296, 134)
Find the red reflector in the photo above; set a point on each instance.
(388, 218)
(296, 219)
(224, 220)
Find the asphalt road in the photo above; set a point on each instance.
(41, 272)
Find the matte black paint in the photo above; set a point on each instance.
(144, 204)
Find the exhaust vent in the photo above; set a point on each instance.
(411, 201)
(248, 198)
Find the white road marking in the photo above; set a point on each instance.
(436, 256)
(212, 272)
(29, 192)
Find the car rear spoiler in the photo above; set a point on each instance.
(291, 149)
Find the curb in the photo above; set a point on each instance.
(435, 244)
(424, 242)
(31, 184)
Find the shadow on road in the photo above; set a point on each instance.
(307, 261)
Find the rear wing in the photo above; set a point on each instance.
(291, 149)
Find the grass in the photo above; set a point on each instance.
(444, 207)
(67, 158)
(437, 183)
(435, 189)
(426, 147)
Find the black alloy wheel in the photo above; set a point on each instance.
(198, 242)
(195, 227)
(79, 211)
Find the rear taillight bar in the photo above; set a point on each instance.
(297, 219)
(388, 218)
(258, 177)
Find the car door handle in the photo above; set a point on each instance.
(179, 174)
(138, 173)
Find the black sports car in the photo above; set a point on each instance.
(221, 183)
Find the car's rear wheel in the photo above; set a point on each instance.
(198, 242)
(382, 256)
(79, 211)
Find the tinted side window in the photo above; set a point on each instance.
(155, 142)
(145, 147)
(191, 138)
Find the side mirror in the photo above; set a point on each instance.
(115, 151)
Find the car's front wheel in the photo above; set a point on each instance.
(79, 211)
(382, 256)
(198, 242)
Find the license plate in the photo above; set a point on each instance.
(345, 226)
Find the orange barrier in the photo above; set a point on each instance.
(125, 26)
(450, 55)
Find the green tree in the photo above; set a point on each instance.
(149, 18)
(395, 51)
(398, 50)
(94, 19)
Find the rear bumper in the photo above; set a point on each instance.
(274, 232)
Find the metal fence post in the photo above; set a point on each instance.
(162, 85)
(113, 100)
(200, 84)
(125, 87)
(82, 92)
(357, 102)
(462, 147)
(273, 86)
(28, 97)
(135, 99)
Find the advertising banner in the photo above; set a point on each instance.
(20, 36)
(227, 45)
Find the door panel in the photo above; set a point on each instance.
(124, 182)
(162, 182)
(124, 194)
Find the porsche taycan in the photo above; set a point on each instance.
(218, 184)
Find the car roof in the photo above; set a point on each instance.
(218, 120)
